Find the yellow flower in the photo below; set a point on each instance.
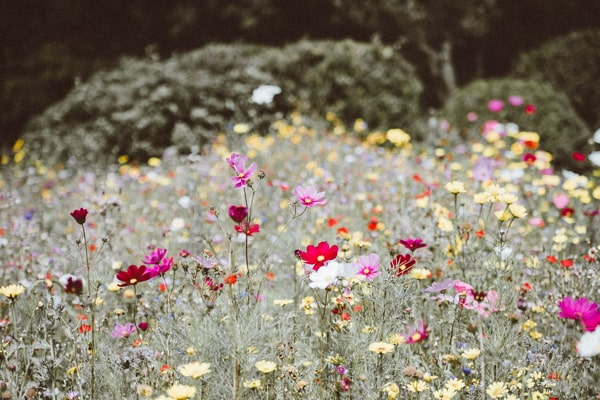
(253, 384)
(265, 366)
(420, 273)
(455, 384)
(12, 291)
(417, 386)
(381, 347)
(444, 394)
(517, 210)
(181, 392)
(397, 137)
(497, 390)
(471, 354)
(528, 325)
(194, 369)
(392, 390)
(144, 390)
(282, 302)
(396, 338)
(455, 187)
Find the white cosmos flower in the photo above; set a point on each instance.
(589, 344)
(333, 273)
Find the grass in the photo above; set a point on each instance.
(472, 314)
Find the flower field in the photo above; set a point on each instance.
(305, 264)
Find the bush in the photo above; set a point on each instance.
(571, 63)
(147, 105)
(553, 116)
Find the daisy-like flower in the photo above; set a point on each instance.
(471, 354)
(237, 162)
(134, 275)
(265, 366)
(253, 384)
(309, 197)
(455, 384)
(332, 274)
(417, 386)
(319, 255)
(12, 291)
(582, 310)
(589, 344)
(419, 335)
(194, 369)
(368, 266)
(381, 347)
(455, 187)
(497, 390)
(392, 390)
(402, 264)
(181, 392)
(444, 394)
(123, 331)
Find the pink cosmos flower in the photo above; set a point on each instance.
(123, 331)
(442, 289)
(515, 101)
(318, 256)
(155, 257)
(368, 266)
(495, 105)
(581, 309)
(309, 197)
(237, 162)
(418, 335)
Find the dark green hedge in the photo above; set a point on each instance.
(572, 64)
(561, 130)
(144, 106)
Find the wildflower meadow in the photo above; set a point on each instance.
(304, 264)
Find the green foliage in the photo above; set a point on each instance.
(554, 118)
(147, 105)
(571, 63)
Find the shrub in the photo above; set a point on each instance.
(144, 106)
(571, 63)
(552, 115)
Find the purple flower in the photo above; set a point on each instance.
(515, 101)
(123, 331)
(368, 266)
(237, 162)
(483, 169)
(309, 197)
(441, 288)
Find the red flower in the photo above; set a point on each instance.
(238, 213)
(566, 263)
(567, 212)
(529, 158)
(530, 109)
(318, 256)
(79, 215)
(74, 285)
(577, 156)
(402, 264)
(85, 328)
(551, 259)
(230, 279)
(372, 226)
(134, 275)
(247, 228)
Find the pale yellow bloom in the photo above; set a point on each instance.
(397, 137)
(144, 390)
(265, 366)
(282, 302)
(471, 354)
(420, 273)
(444, 394)
(381, 347)
(455, 187)
(396, 338)
(12, 291)
(517, 210)
(392, 390)
(497, 390)
(455, 384)
(194, 369)
(181, 392)
(417, 386)
(253, 384)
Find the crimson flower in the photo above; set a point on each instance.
(581, 309)
(73, 285)
(319, 255)
(238, 213)
(412, 244)
(530, 109)
(402, 264)
(134, 275)
(80, 215)
(247, 228)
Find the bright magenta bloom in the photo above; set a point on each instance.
(402, 264)
(134, 275)
(582, 310)
(418, 335)
(237, 162)
(309, 197)
(318, 256)
(238, 213)
(412, 244)
(495, 105)
(155, 257)
(80, 215)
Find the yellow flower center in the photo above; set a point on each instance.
(320, 258)
(416, 337)
(132, 281)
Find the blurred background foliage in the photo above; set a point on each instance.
(49, 48)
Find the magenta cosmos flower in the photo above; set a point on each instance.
(309, 197)
(238, 213)
(582, 310)
(237, 162)
(416, 335)
(412, 244)
(319, 255)
(368, 266)
(495, 105)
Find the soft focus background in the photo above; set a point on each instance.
(50, 49)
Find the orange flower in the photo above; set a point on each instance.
(567, 263)
(85, 328)
(231, 279)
